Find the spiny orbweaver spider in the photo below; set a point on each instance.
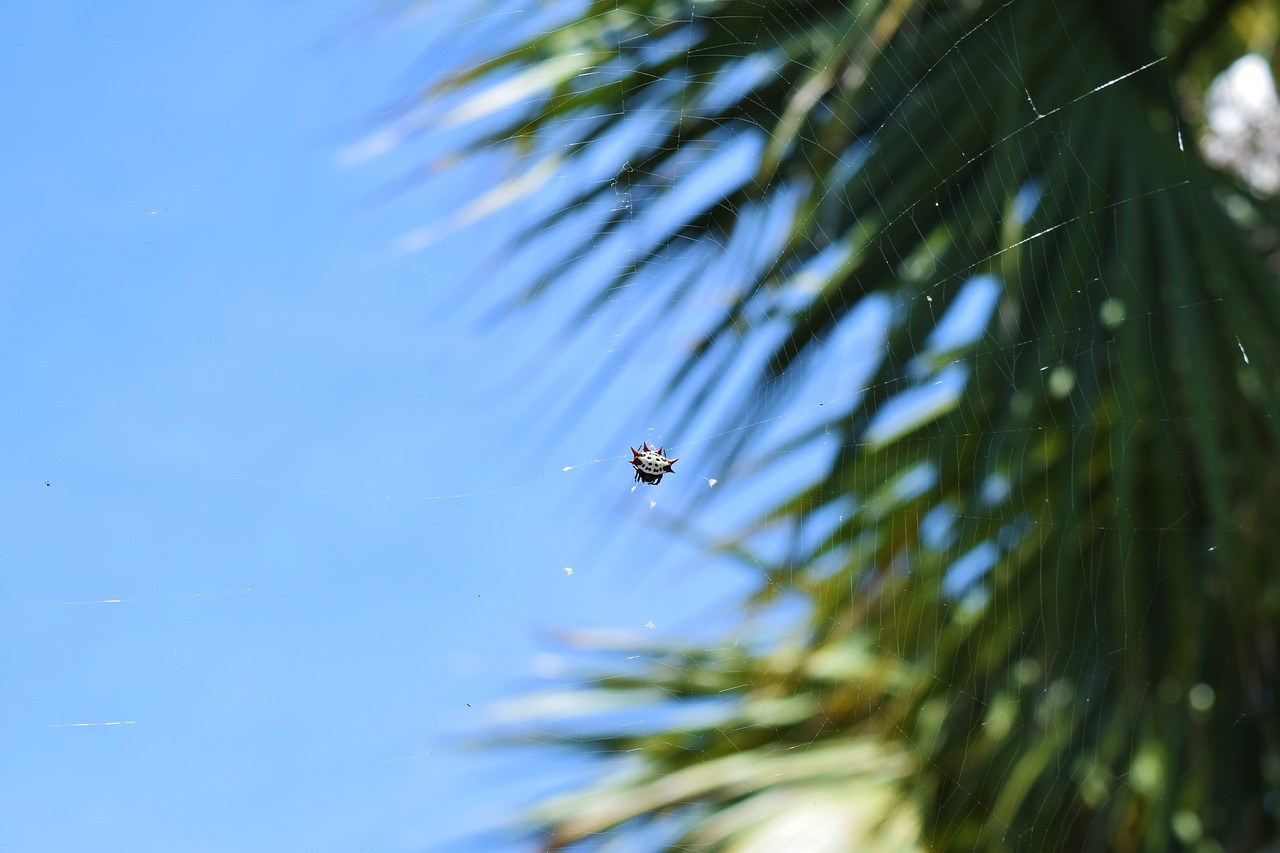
(650, 464)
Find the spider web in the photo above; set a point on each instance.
(617, 282)
(557, 299)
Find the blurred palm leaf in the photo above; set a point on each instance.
(1042, 613)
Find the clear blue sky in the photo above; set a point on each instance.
(302, 524)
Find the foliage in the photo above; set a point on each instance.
(1112, 681)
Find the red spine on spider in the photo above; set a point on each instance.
(650, 464)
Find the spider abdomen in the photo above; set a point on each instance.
(650, 464)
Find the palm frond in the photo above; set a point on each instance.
(1049, 619)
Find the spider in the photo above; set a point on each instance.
(650, 464)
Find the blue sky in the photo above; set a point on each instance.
(305, 518)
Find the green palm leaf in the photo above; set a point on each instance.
(1108, 463)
